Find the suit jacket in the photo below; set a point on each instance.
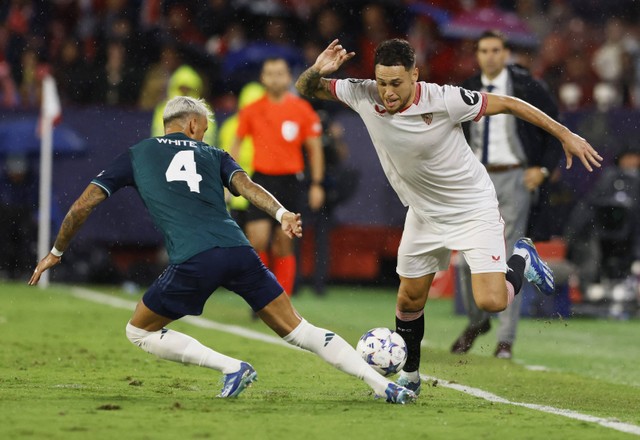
(541, 148)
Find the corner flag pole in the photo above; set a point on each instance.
(50, 111)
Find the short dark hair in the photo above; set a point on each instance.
(275, 59)
(493, 33)
(395, 52)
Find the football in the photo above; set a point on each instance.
(384, 350)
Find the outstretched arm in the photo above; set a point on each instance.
(92, 196)
(311, 82)
(263, 199)
(572, 144)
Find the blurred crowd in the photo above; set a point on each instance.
(123, 52)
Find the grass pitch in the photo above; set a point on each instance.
(68, 372)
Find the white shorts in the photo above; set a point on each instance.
(426, 244)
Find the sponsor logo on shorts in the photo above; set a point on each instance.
(495, 258)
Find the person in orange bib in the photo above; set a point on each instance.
(281, 124)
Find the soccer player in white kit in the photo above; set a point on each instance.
(452, 204)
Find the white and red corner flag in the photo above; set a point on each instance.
(50, 107)
(50, 114)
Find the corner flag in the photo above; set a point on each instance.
(50, 114)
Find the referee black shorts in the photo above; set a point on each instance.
(289, 189)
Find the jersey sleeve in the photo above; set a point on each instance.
(350, 91)
(464, 105)
(228, 167)
(117, 175)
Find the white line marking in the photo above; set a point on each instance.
(102, 298)
(608, 423)
(536, 367)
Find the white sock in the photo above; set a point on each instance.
(178, 347)
(412, 376)
(336, 351)
(524, 254)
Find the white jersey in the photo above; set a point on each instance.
(423, 150)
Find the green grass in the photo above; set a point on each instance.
(68, 372)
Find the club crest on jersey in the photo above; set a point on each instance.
(380, 110)
(427, 118)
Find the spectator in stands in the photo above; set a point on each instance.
(185, 81)
(610, 59)
(75, 78)
(182, 26)
(8, 91)
(118, 82)
(330, 24)
(374, 29)
(156, 79)
(28, 85)
(215, 17)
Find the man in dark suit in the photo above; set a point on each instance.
(518, 157)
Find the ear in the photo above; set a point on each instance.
(415, 74)
(193, 126)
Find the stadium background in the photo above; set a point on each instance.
(109, 56)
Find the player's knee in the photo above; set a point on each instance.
(492, 303)
(135, 335)
(410, 301)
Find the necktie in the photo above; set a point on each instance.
(485, 133)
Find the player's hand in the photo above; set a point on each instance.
(292, 224)
(332, 58)
(47, 262)
(577, 146)
(316, 197)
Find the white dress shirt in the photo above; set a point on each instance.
(501, 149)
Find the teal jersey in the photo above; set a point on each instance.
(181, 182)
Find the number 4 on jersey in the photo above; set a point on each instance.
(183, 168)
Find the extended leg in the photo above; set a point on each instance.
(147, 330)
(285, 321)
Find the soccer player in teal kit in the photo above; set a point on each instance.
(181, 181)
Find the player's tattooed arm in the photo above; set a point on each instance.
(77, 215)
(312, 85)
(92, 196)
(255, 194)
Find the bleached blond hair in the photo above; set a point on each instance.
(182, 106)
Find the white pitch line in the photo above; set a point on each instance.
(109, 300)
(608, 423)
